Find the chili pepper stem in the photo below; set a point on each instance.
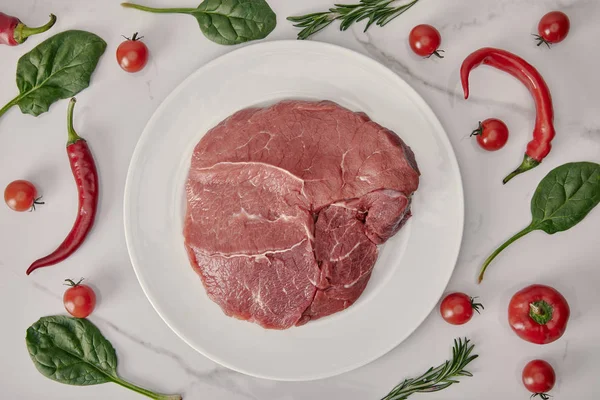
(159, 10)
(504, 245)
(527, 164)
(22, 31)
(73, 136)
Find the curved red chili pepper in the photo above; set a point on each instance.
(86, 178)
(543, 132)
(13, 32)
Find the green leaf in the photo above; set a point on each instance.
(562, 200)
(58, 68)
(565, 196)
(71, 351)
(235, 21)
(226, 22)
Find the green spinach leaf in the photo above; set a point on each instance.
(226, 22)
(562, 199)
(73, 351)
(58, 68)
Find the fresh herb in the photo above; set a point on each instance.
(226, 22)
(562, 199)
(378, 12)
(436, 379)
(58, 68)
(73, 351)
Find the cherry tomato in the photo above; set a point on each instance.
(492, 134)
(132, 54)
(539, 377)
(425, 40)
(553, 28)
(79, 300)
(21, 196)
(457, 308)
(538, 314)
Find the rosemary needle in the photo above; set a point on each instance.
(438, 378)
(378, 12)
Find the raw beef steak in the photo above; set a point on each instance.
(258, 182)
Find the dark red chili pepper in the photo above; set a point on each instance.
(86, 178)
(13, 32)
(543, 132)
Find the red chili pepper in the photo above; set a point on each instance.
(86, 178)
(13, 32)
(543, 132)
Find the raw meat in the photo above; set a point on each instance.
(259, 180)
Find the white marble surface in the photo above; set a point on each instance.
(114, 110)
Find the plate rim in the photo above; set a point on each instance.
(432, 118)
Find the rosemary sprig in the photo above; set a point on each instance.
(439, 378)
(378, 12)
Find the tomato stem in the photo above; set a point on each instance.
(70, 282)
(478, 131)
(476, 306)
(543, 396)
(436, 53)
(36, 202)
(499, 250)
(540, 312)
(541, 41)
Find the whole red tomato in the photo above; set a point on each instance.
(538, 314)
(539, 377)
(457, 308)
(492, 134)
(132, 54)
(79, 300)
(553, 28)
(21, 196)
(425, 41)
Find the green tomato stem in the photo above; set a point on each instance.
(504, 245)
(145, 392)
(541, 312)
(159, 10)
(22, 32)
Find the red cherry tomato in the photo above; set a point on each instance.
(21, 196)
(79, 300)
(492, 134)
(132, 54)
(457, 308)
(539, 377)
(553, 28)
(425, 40)
(538, 314)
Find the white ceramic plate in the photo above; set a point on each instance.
(413, 267)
